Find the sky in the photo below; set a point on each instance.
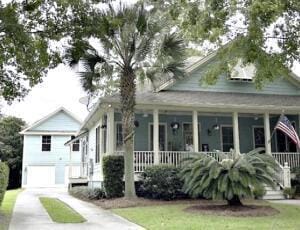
(61, 87)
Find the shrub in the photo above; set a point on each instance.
(231, 179)
(113, 171)
(161, 182)
(4, 174)
(86, 193)
(289, 193)
(259, 192)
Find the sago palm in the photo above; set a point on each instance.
(230, 179)
(131, 46)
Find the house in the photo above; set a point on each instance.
(183, 116)
(45, 158)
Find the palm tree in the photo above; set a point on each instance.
(232, 178)
(132, 45)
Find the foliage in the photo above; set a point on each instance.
(231, 179)
(259, 192)
(113, 171)
(86, 193)
(130, 45)
(264, 33)
(4, 173)
(25, 53)
(11, 148)
(60, 212)
(289, 193)
(161, 182)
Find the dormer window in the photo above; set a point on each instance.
(242, 73)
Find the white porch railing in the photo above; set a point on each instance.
(78, 170)
(293, 159)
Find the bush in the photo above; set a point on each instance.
(232, 179)
(289, 193)
(86, 193)
(259, 192)
(161, 182)
(4, 174)
(113, 171)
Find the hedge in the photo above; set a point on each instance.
(86, 193)
(4, 174)
(161, 182)
(113, 171)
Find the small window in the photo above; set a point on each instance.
(75, 146)
(119, 133)
(46, 143)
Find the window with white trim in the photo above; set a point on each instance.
(46, 143)
(227, 138)
(75, 145)
(119, 136)
(97, 151)
(259, 137)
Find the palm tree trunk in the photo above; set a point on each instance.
(235, 201)
(127, 90)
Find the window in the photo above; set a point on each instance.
(104, 134)
(75, 146)
(227, 138)
(188, 140)
(97, 152)
(46, 143)
(119, 137)
(258, 137)
(162, 137)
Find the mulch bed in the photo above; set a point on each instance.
(140, 202)
(236, 211)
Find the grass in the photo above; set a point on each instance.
(6, 208)
(60, 212)
(174, 217)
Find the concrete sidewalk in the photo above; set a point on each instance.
(29, 213)
(292, 202)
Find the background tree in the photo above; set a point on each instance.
(232, 179)
(131, 45)
(264, 33)
(11, 148)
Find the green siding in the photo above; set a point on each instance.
(279, 86)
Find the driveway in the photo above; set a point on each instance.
(29, 213)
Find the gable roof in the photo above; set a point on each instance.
(39, 122)
(194, 63)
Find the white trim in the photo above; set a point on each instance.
(221, 135)
(35, 124)
(253, 139)
(166, 134)
(51, 133)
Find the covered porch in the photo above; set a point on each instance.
(167, 136)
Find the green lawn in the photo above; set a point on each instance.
(7, 207)
(61, 212)
(173, 217)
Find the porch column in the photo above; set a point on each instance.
(236, 136)
(267, 133)
(156, 136)
(195, 131)
(110, 131)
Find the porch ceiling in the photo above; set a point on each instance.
(263, 102)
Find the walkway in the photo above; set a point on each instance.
(29, 213)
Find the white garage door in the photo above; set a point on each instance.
(41, 176)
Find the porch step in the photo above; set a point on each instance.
(273, 194)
